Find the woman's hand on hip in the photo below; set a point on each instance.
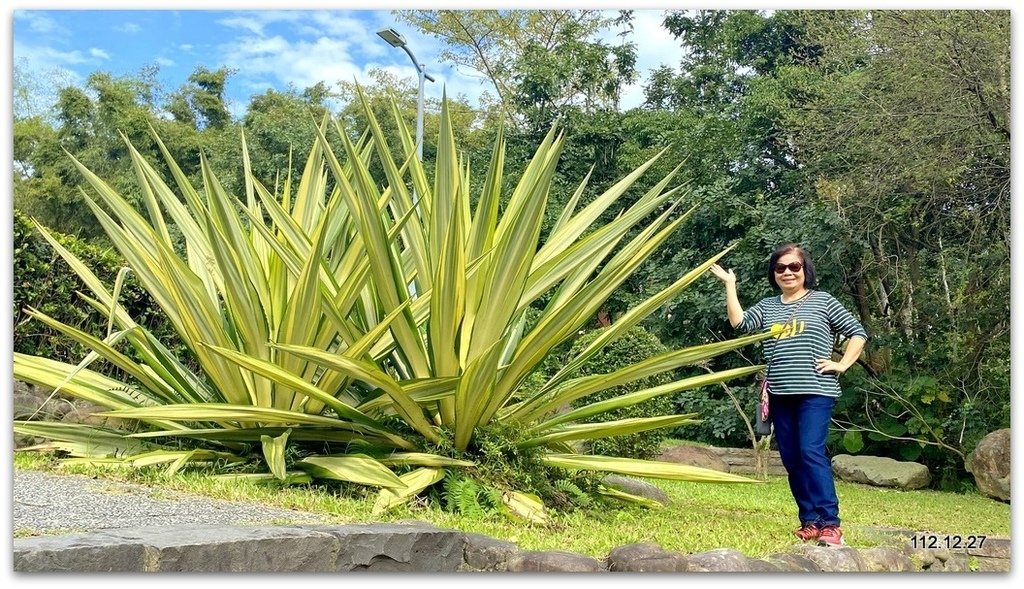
(827, 366)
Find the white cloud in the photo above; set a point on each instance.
(247, 47)
(303, 48)
(165, 62)
(42, 57)
(353, 25)
(302, 63)
(128, 27)
(99, 53)
(655, 47)
(39, 23)
(257, 21)
(253, 25)
(44, 71)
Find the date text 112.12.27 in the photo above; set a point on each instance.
(950, 542)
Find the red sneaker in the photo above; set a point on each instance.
(807, 532)
(831, 536)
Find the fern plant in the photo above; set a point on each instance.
(468, 496)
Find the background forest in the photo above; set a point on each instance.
(879, 140)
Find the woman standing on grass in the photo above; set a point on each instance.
(803, 379)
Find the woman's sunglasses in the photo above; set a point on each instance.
(794, 267)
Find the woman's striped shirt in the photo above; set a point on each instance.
(803, 337)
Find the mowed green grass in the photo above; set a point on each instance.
(756, 519)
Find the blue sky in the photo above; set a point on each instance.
(267, 48)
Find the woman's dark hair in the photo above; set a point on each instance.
(810, 278)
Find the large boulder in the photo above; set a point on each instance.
(880, 471)
(32, 403)
(87, 413)
(38, 403)
(990, 465)
(842, 559)
(636, 487)
(721, 560)
(885, 559)
(645, 557)
(694, 456)
(554, 561)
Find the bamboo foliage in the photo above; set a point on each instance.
(322, 312)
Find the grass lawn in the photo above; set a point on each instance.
(756, 519)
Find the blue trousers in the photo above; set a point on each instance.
(801, 428)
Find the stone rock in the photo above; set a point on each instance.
(182, 549)
(921, 557)
(397, 547)
(880, 471)
(23, 441)
(992, 548)
(787, 561)
(80, 553)
(990, 465)
(830, 559)
(721, 560)
(484, 553)
(992, 565)
(694, 456)
(554, 562)
(35, 404)
(87, 413)
(646, 558)
(636, 487)
(744, 460)
(954, 563)
(885, 559)
(32, 403)
(756, 565)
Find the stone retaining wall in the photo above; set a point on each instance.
(423, 548)
(744, 460)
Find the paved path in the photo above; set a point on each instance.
(46, 503)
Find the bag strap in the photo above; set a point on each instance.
(796, 308)
(791, 317)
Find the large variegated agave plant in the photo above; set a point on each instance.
(362, 326)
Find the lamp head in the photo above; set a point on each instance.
(392, 37)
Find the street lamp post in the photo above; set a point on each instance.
(396, 40)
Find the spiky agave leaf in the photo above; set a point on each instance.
(273, 452)
(643, 468)
(82, 440)
(628, 497)
(356, 468)
(525, 506)
(414, 482)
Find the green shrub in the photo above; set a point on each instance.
(720, 424)
(633, 346)
(43, 280)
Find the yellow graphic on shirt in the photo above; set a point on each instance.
(784, 330)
